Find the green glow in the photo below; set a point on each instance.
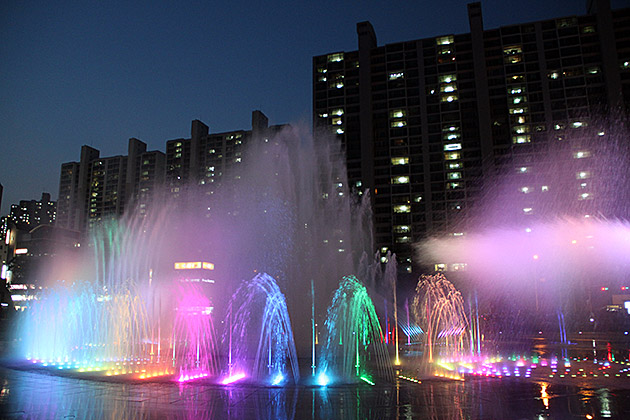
(367, 380)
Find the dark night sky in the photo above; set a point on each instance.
(97, 73)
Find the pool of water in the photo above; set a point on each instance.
(39, 395)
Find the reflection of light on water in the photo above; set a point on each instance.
(604, 400)
(543, 395)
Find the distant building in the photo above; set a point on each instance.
(428, 125)
(205, 159)
(98, 188)
(32, 213)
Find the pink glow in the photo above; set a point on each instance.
(188, 378)
(233, 378)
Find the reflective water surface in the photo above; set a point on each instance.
(37, 395)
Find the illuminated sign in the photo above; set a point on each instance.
(194, 265)
(21, 251)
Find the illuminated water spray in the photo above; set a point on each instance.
(353, 348)
(439, 309)
(194, 344)
(259, 337)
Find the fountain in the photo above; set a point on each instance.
(353, 346)
(259, 335)
(439, 309)
(195, 350)
(289, 213)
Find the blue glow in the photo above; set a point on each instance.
(323, 380)
(278, 379)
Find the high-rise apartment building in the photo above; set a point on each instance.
(205, 159)
(429, 125)
(32, 213)
(98, 188)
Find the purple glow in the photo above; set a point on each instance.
(233, 378)
(188, 377)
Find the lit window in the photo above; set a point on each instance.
(528, 210)
(336, 121)
(397, 124)
(338, 111)
(581, 154)
(403, 239)
(455, 165)
(522, 139)
(440, 267)
(417, 198)
(340, 131)
(333, 58)
(321, 70)
(324, 115)
(558, 126)
(445, 40)
(525, 190)
(583, 175)
(578, 124)
(448, 88)
(518, 99)
(401, 228)
(400, 180)
(397, 113)
(522, 119)
(513, 54)
(517, 90)
(449, 98)
(586, 196)
(452, 146)
(448, 78)
(454, 185)
(321, 78)
(452, 156)
(544, 188)
(402, 208)
(520, 129)
(400, 160)
(592, 70)
(588, 29)
(518, 110)
(625, 65)
(454, 175)
(553, 75)
(396, 76)
(459, 266)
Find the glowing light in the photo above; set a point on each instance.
(278, 379)
(233, 378)
(366, 380)
(194, 265)
(21, 251)
(323, 380)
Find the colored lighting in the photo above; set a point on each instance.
(323, 380)
(278, 379)
(194, 265)
(366, 380)
(233, 378)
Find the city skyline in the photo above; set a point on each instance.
(100, 74)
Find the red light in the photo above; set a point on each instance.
(604, 289)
